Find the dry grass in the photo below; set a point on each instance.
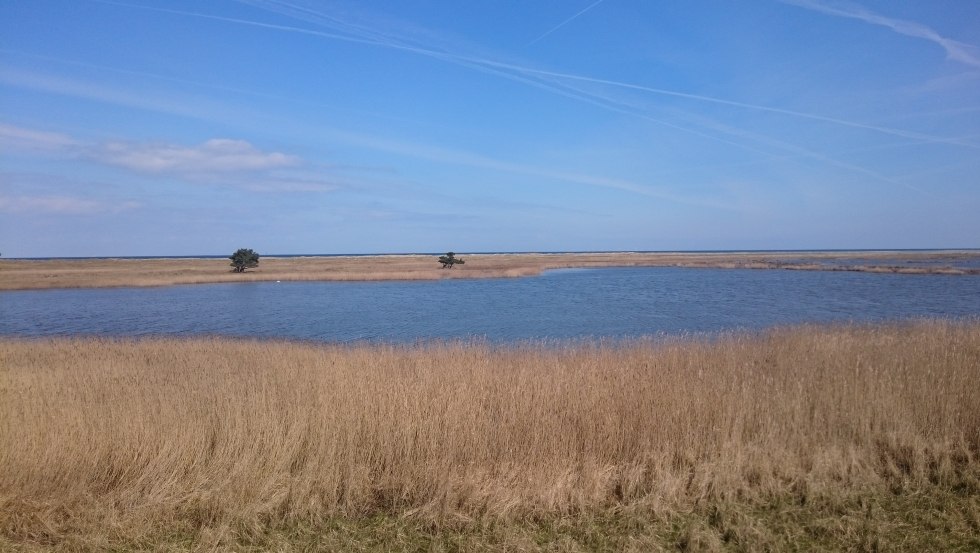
(844, 438)
(90, 273)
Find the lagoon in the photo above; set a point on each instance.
(561, 304)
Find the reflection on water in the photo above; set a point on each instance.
(559, 305)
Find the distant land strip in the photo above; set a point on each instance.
(36, 274)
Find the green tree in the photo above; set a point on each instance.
(243, 259)
(449, 260)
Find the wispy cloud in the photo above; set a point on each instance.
(62, 205)
(955, 50)
(290, 184)
(194, 107)
(218, 155)
(567, 21)
(20, 138)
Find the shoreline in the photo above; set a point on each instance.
(41, 274)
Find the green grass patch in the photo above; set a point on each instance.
(929, 519)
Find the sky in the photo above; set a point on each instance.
(152, 127)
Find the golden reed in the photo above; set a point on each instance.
(116, 437)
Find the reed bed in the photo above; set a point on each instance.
(204, 443)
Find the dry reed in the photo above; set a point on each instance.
(104, 440)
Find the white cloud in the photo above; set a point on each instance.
(61, 205)
(219, 161)
(218, 155)
(955, 50)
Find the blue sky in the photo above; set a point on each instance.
(151, 127)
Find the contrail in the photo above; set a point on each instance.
(457, 58)
(472, 62)
(567, 21)
(711, 99)
(601, 101)
(310, 15)
(955, 50)
(501, 69)
(286, 28)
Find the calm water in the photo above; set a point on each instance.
(560, 304)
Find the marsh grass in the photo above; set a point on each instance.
(853, 437)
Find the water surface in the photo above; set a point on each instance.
(575, 303)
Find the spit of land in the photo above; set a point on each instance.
(31, 274)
